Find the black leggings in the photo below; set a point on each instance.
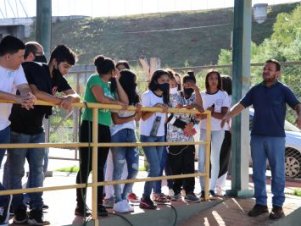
(85, 157)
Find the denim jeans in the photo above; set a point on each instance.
(14, 168)
(273, 149)
(166, 167)
(217, 138)
(122, 156)
(4, 139)
(153, 156)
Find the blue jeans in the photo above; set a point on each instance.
(273, 149)
(121, 156)
(217, 138)
(153, 156)
(14, 168)
(4, 139)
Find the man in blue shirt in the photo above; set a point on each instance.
(269, 100)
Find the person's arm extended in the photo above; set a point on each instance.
(220, 115)
(298, 110)
(235, 110)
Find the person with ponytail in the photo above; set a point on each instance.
(98, 90)
(152, 129)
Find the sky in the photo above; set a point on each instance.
(113, 8)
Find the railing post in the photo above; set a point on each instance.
(207, 155)
(94, 166)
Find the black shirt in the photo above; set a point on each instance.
(31, 121)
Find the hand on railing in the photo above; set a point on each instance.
(27, 101)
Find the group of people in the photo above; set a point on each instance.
(25, 81)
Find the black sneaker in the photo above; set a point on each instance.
(147, 203)
(258, 210)
(20, 215)
(202, 196)
(277, 213)
(101, 211)
(81, 212)
(212, 193)
(4, 211)
(36, 217)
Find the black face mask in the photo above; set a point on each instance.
(163, 87)
(188, 91)
(41, 59)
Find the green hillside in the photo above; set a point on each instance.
(178, 39)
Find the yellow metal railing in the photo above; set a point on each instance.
(94, 144)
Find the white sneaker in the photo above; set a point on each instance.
(171, 193)
(120, 207)
(128, 206)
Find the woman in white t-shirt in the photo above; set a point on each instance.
(216, 101)
(152, 129)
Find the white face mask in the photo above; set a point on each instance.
(173, 90)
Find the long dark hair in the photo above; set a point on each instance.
(219, 85)
(128, 82)
(153, 84)
(227, 84)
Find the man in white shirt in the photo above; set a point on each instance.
(12, 79)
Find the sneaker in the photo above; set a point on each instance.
(82, 212)
(101, 211)
(133, 198)
(171, 193)
(36, 218)
(191, 197)
(129, 207)
(4, 211)
(176, 197)
(20, 215)
(258, 210)
(277, 213)
(147, 203)
(212, 193)
(202, 195)
(122, 207)
(160, 198)
(109, 203)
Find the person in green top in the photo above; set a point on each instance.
(98, 90)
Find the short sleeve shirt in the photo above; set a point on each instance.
(269, 108)
(31, 121)
(9, 82)
(104, 115)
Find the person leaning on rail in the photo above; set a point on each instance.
(27, 127)
(12, 78)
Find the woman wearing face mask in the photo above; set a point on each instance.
(97, 91)
(216, 101)
(180, 129)
(152, 129)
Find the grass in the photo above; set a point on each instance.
(70, 169)
(297, 192)
(206, 33)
